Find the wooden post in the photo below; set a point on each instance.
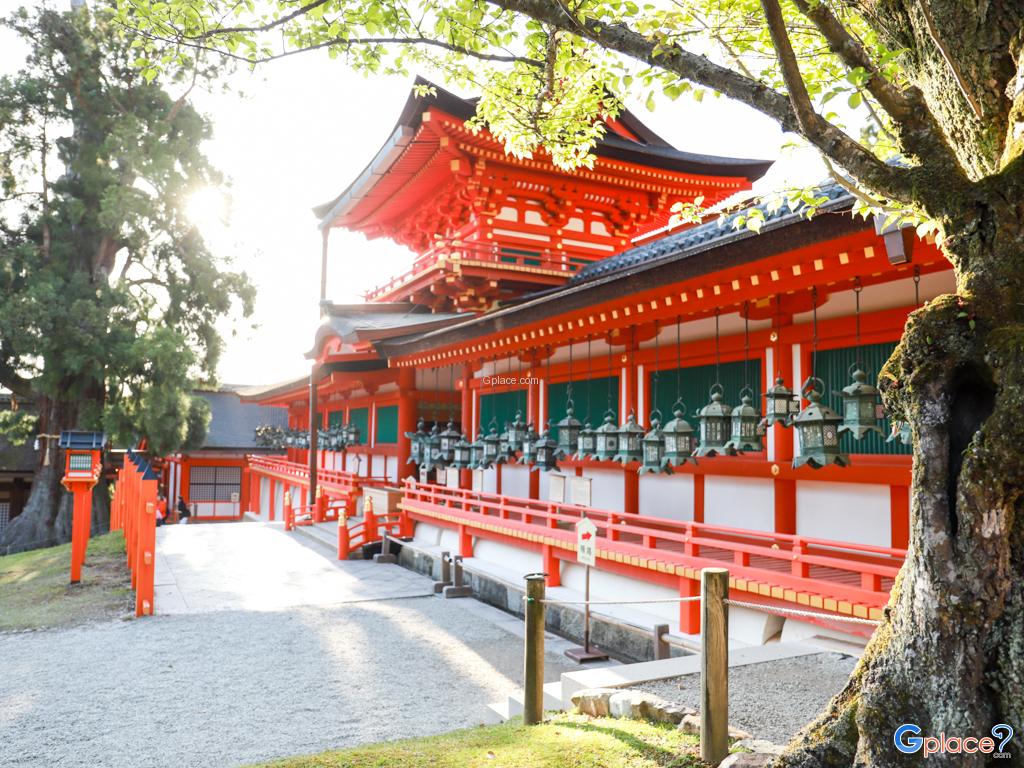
(146, 561)
(289, 519)
(714, 665)
(533, 675)
(370, 522)
(80, 524)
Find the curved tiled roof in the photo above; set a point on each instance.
(705, 236)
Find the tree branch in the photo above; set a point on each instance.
(948, 58)
(891, 181)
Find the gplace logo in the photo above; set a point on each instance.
(909, 741)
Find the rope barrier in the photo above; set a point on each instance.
(796, 612)
(619, 602)
(737, 603)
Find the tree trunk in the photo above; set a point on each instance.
(949, 655)
(46, 518)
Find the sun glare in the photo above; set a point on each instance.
(207, 209)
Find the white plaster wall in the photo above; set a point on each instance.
(378, 466)
(426, 534)
(490, 481)
(611, 586)
(739, 502)
(515, 481)
(668, 496)
(518, 562)
(544, 486)
(844, 512)
(607, 489)
(264, 510)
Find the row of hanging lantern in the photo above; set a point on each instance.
(337, 437)
(722, 429)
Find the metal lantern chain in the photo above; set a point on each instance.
(862, 409)
(677, 433)
(817, 425)
(746, 420)
(714, 417)
(917, 285)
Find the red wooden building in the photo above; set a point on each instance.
(528, 283)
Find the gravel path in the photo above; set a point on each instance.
(772, 700)
(229, 687)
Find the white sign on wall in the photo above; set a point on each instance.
(451, 477)
(586, 542)
(478, 480)
(556, 488)
(581, 491)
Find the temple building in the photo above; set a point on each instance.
(556, 349)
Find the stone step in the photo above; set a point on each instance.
(496, 713)
(325, 539)
(552, 699)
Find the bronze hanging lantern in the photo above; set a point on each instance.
(546, 451)
(861, 407)
(529, 457)
(476, 452)
(586, 442)
(781, 404)
(568, 433)
(492, 442)
(432, 451)
(417, 441)
(446, 446)
(680, 441)
(653, 447)
(505, 451)
(631, 436)
(606, 439)
(516, 435)
(746, 425)
(462, 453)
(714, 424)
(817, 430)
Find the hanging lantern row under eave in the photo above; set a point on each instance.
(746, 426)
(781, 404)
(568, 433)
(680, 441)
(653, 445)
(448, 439)
(817, 431)
(714, 425)
(546, 450)
(506, 452)
(861, 409)
(631, 436)
(606, 439)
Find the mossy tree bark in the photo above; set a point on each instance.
(949, 655)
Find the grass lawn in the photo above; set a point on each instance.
(564, 741)
(35, 593)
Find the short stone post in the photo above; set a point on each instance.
(446, 573)
(660, 638)
(714, 665)
(533, 674)
(457, 588)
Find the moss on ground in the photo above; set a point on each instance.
(563, 741)
(35, 593)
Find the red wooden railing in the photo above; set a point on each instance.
(858, 573)
(521, 257)
(133, 510)
(334, 484)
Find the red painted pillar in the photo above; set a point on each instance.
(80, 523)
(272, 514)
(689, 613)
(406, 416)
(899, 512)
(466, 419)
(632, 491)
(698, 498)
(785, 490)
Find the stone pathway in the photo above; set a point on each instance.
(261, 648)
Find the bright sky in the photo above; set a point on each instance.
(297, 132)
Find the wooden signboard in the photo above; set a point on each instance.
(581, 491)
(556, 488)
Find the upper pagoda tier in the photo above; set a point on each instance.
(487, 227)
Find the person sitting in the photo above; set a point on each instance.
(184, 513)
